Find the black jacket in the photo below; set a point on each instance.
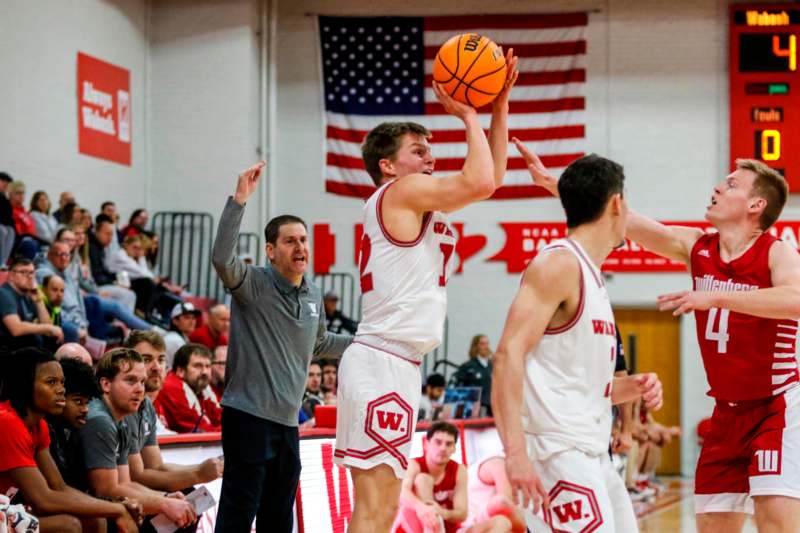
(97, 254)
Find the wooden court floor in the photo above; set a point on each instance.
(673, 512)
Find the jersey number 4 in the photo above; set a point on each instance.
(721, 333)
(366, 250)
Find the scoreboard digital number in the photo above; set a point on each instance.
(765, 86)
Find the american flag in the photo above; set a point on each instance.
(378, 69)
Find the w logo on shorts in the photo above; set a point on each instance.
(389, 420)
(768, 461)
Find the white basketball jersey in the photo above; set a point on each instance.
(567, 391)
(403, 294)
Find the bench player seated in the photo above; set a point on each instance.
(433, 497)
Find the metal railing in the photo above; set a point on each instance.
(184, 254)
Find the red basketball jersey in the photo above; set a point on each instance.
(444, 490)
(745, 357)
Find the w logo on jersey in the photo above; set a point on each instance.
(389, 420)
(768, 461)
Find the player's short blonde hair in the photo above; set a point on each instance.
(769, 185)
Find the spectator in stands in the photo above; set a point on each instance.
(106, 441)
(7, 231)
(477, 371)
(65, 447)
(433, 496)
(52, 292)
(64, 198)
(73, 350)
(313, 397)
(330, 380)
(337, 322)
(183, 320)
(187, 400)
(151, 291)
(432, 397)
(136, 224)
(27, 243)
(74, 320)
(218, 370)
(25, 321)
(215, 331)
(75, 237)
(34, 388)
(46, 224)
(71, 215)
(145, 462)
(99, 240)
(109, 209)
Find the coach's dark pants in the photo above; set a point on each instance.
(262, 469)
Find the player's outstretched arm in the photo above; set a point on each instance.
(230, 268)
(781, 301)
(498, 129)
(475, 182)
(673, 242)
(546, 283)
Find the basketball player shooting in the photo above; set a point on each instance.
(553, 378)
(406, 257)
(746, 301)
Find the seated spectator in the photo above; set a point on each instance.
(34, 388)
(145, 462)
(129, 261)
(312, 397)
(215, 331)
(432, 397)
(433, 496)
(45, 223)
(330, 380)
(73, 350)
(7, 232)
(71, 215)
(105, 439)
(64, 198)
(183, 320)
(74, 320)
(79, 267)
(150, 345)
(109, 209)
(218, 370)
(490, 497)
(337, 322)
(136, 224)
(65, 448)
(25, 321)
(52, 293)
(477, 372)
(187, 401)
(27, 243)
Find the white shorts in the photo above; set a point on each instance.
(377, 403)
(586, 495)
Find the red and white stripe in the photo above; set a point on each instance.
(547, 110)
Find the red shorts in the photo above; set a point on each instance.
(752, 449)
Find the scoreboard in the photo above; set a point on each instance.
(765, 86)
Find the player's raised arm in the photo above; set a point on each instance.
(421, 192)
(673, 242)
(498, 129)
(545, 285)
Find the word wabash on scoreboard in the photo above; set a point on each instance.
(765, 86)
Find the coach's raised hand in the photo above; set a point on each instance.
(248, 182)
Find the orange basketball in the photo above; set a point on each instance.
(470, 68)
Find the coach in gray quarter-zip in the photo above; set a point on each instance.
(277, 324)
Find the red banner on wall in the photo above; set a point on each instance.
(104, 110)
(525, 239)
